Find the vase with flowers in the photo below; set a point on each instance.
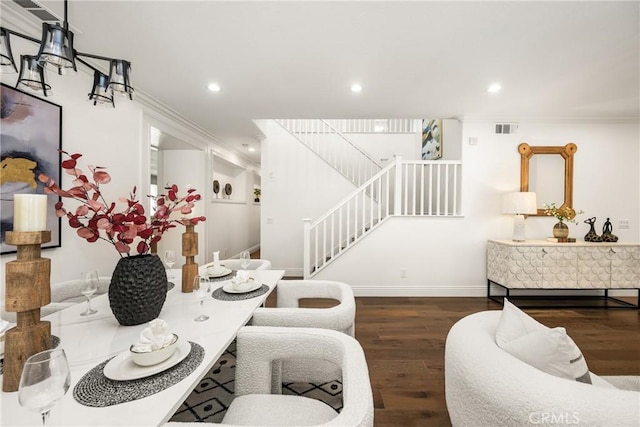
(563, 214)
(139, 283)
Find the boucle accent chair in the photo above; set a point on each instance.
(255, 405)
(234, 264)
(64, 295)
(340, 318)
(486, 386)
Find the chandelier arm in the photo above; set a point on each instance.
(24, 36)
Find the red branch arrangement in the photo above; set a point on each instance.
(96, 219)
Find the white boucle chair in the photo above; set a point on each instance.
(255, 405)
(486, 386)
(234, 264)
(64, 295)
(340, 318)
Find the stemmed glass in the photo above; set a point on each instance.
(45, 380)
(245, 259)
(170, 259)
(201, 291)
(90, 286)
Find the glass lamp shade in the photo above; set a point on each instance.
(101, 93)
(56, 47)
(120, 77)
(6, 57)
(32, 74)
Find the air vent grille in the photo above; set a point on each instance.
(506, 128)
(39, 11)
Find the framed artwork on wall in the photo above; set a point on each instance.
(431, 139)
(30, 137)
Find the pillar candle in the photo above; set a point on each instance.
(216, 258)
(29, 212)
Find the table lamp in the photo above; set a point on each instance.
(519, 204)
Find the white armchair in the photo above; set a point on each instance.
(288, 313)
(255, 405)
(63, 295)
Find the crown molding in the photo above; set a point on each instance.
(518, 118)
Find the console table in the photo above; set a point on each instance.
(539, 264)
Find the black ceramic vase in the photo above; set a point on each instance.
(138, 289)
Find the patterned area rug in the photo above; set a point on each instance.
(210, 399)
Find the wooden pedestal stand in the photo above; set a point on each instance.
(189, 251)
(27, 289)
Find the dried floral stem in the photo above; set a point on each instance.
(95, 218)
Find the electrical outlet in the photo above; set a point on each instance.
(623, 224)
(403, 273)
(269, 220)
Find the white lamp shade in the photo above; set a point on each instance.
(519, 203)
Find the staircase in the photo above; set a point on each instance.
(422, 188)
(404, 188)
(335, 148)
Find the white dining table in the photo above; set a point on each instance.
(90, 340)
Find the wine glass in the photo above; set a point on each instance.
(90, 286)
(45, 380)
(245, 259)
(170, 259)
(201, 291)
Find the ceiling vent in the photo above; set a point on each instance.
(504, 128)
(39, 11)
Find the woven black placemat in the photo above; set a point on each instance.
(55, 341)
(221, 278)
(221, 295)
(96, 390)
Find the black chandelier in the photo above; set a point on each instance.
(56, 50)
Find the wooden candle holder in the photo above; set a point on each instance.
(189, 251)
(27, 289)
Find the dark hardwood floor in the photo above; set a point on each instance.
(403, 339)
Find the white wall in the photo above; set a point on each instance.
(446, 256)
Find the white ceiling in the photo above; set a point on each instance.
(289, 59)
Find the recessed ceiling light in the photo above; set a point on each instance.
(356, 87)
(252, 149)
(494, 88)
(214, 87)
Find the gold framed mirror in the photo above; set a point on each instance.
(548, 172)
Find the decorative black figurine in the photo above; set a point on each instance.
(591, 236)
(607, 235)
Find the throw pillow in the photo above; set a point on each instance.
(550, 350)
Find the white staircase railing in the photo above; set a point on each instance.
(334, 148)
(403, 188)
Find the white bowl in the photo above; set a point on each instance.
(149, 358)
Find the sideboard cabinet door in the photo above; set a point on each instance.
(559, 267)
(594, 267)
(625, 267)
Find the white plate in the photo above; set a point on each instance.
(223, 272)
(230, 289)
(123, 368)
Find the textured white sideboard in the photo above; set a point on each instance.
(538, 264)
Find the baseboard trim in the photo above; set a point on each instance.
(419, 291)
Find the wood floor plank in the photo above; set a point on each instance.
(404, 339)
